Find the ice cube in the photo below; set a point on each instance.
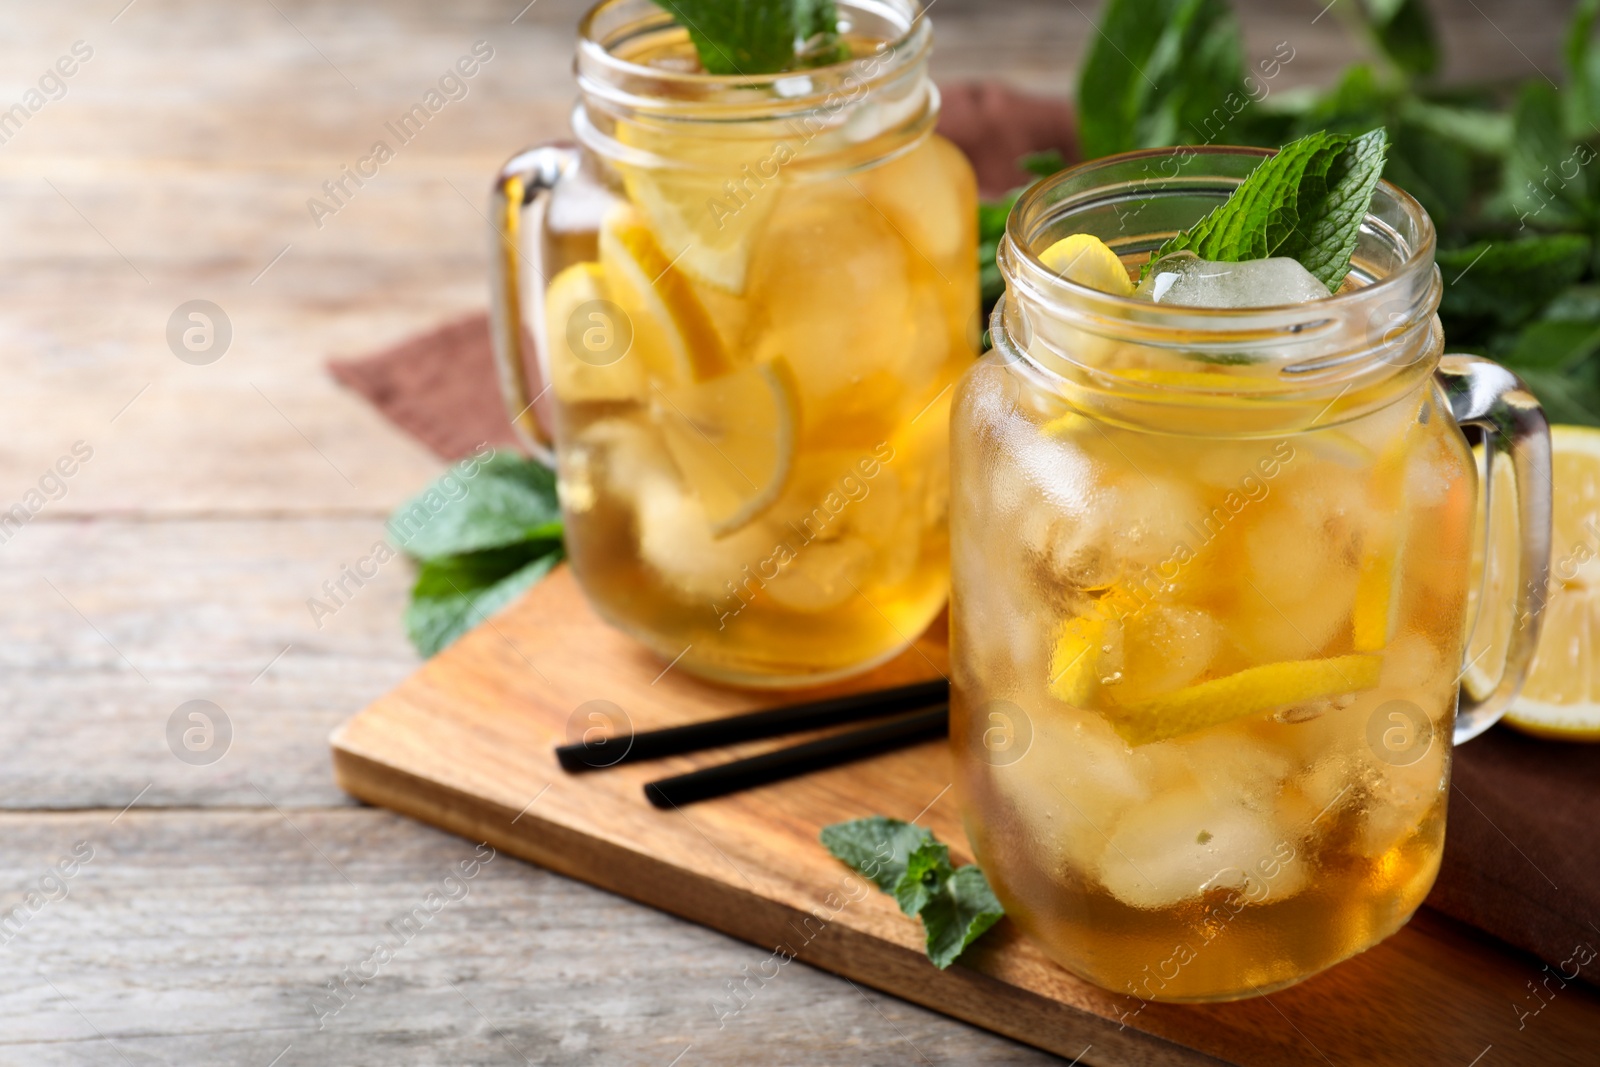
(822, 575)
(831, 274)
(1402, 796)
(675, 539)
(1167, 647)
(1186, 279)
(1182, 844)
(1072, 786)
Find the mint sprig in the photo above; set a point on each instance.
(1170, 68)
(1306, 203)
(1507, 172)
(955, 904)
(483, 532)
(759, 36)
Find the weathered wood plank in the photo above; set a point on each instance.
(207, 937)
(179, 611)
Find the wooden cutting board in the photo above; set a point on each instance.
(465, 744)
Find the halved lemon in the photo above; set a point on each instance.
(672, 330)
(709, 208)
(1085, 259)
(603, 365)
(1247, 692)
(1562, 696)
(733, 440)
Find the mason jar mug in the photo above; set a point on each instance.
(749, 297)
(1210, 592)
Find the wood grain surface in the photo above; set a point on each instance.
(467, 744)
(177, 167)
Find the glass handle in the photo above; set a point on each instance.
(1484, 394)
(520, 185)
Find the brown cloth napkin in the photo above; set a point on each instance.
(439, 386)
(1522, 853)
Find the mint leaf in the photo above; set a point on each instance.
(1356, 104)
(1330, 222)
(1583, 70)
(484, 531)
(1536, 191)
(1474, 128)
(758, 36)
(1572, 398)
(477, 505)
(1434, 169)
(927, 869)
(1264, 210)
(1404, 31)
(958, 914)
(876, 847)
(1158, 73)
(1500, 284)
(817, 28)
(955, 905)
(992, 215)
(1555, 354)
(1553, 346)
(1307, 203)
(455, 594)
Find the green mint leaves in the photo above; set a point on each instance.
(759, 36)
(1307, 203)
(1507, 172)
(483, 532)
(955, 905)
(1158, 70)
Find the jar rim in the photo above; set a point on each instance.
(1026, 266)
(1368, 339)
(618, 82)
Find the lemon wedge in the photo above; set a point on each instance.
(1076, 659)
(709, 208)
(733, 440)
(672, 331)
(578, 312)
(1247, 692)
(1085, 259)
(1562, 696)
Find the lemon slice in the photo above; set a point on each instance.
(1076, 659)
(1248, 692)
(578, 312)
(1089, 648)
(708, 209)
(1562, 696)
(672, 330)
(733, 440)
(1085, 259)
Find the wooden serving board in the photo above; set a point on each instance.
(465, 744)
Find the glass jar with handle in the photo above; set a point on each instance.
(747, 298)
(1210, 593)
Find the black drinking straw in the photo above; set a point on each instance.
(798, 759)
(752, 726)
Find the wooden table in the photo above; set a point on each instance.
(219, 899)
